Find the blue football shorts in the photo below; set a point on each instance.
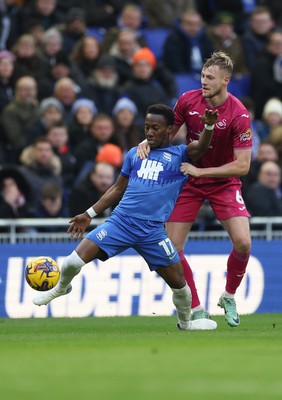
(148, 238)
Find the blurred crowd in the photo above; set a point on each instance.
(76, 79)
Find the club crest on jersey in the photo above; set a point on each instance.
(102, 234)
(221, 124)
(167, 156)
(246, 136)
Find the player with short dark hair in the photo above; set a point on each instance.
(146, 191)
(215, 176)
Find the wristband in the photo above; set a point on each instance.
(91, 212)
(209, 127)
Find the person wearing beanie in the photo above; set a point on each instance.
(127, 131)
(84, 103)
(145, 54)
(50, 102)
(142, 88)
(110, 153)
(272, 106)
(50, 112)
(271, 115)
(83, 111)
(123, 104)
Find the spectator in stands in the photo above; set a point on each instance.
(44, 11)
(187, 45)
(50, 112)
(131, 18)
(51, 205)
(83, 111)
(127, 132)
(254, 39)
(123, 50)
(264, 198)
(271, 116)
(257, 127)
(36, 30)
(57, 134)
(27, 60)
(50, 46)
(19, 115)
(103, 86)
(67, 91)
(16, 200)
(111, 154)
(208, 9)
(85, 55)
(266, 152)
(7, 63)
(62, 68)
(101, 132)
(267, 76)
(275, 8)
(91, 188)
(275, 138)
(74, 29)
(225, 38)
(163, 14)
(40, 166)
(142, 89)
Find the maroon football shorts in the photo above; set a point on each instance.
(225, 198)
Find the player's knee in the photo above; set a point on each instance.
(243, 245)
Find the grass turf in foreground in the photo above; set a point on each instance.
(140, 358)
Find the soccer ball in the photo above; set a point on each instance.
(42, 273)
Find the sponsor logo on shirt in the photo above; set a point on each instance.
(193, 112)
(102, 234)
(245, 136)
(221, 124)
(150, 169)
(245, 115)
(167, 156)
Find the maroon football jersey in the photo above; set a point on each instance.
(232, 130)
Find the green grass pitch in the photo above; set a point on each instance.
(140, 358)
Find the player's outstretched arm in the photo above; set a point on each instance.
(113, 195)
(198, 147)
(239, 167)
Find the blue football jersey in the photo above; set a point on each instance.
(153, 184)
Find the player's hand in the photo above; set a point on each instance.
(210, 117)
(189, 169)
(143, 149)
(78, 225)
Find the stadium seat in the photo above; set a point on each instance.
(239, 87)
(155, 39)
(185, 82)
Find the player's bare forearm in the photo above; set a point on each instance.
(198, 147)
(236, 168)
(80, 222)
(112, 196)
